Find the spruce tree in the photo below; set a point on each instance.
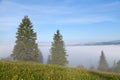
(26, 48)
(57, 52)
(103, 65)
(117, 67)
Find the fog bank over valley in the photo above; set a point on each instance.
(77, 54)
(87, 55)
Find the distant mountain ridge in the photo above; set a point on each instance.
(115, 42)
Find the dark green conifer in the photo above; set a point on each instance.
(57, 52)
(103, 65)
(26, 48)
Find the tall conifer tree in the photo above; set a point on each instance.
(26, 48)
(57, 52)
(103, 65)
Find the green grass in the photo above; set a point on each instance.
(36, 71)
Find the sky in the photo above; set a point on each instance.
(80, 21)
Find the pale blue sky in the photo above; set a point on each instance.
(78, 20)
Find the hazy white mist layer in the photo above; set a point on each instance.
(85, 55)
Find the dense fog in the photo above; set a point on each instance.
(77, 55)
(87, 55)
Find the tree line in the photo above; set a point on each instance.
(26, 48)
(103, 65)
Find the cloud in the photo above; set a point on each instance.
(60, 14)
(86, 20)
(9, 23)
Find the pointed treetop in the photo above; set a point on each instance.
(102, 53)
(58, 31)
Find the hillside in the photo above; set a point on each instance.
(36, 71)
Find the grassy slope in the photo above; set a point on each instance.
(35, 71)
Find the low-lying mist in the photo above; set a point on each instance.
(78, 55)
(87, 55)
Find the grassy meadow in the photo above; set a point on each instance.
(36, 71)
